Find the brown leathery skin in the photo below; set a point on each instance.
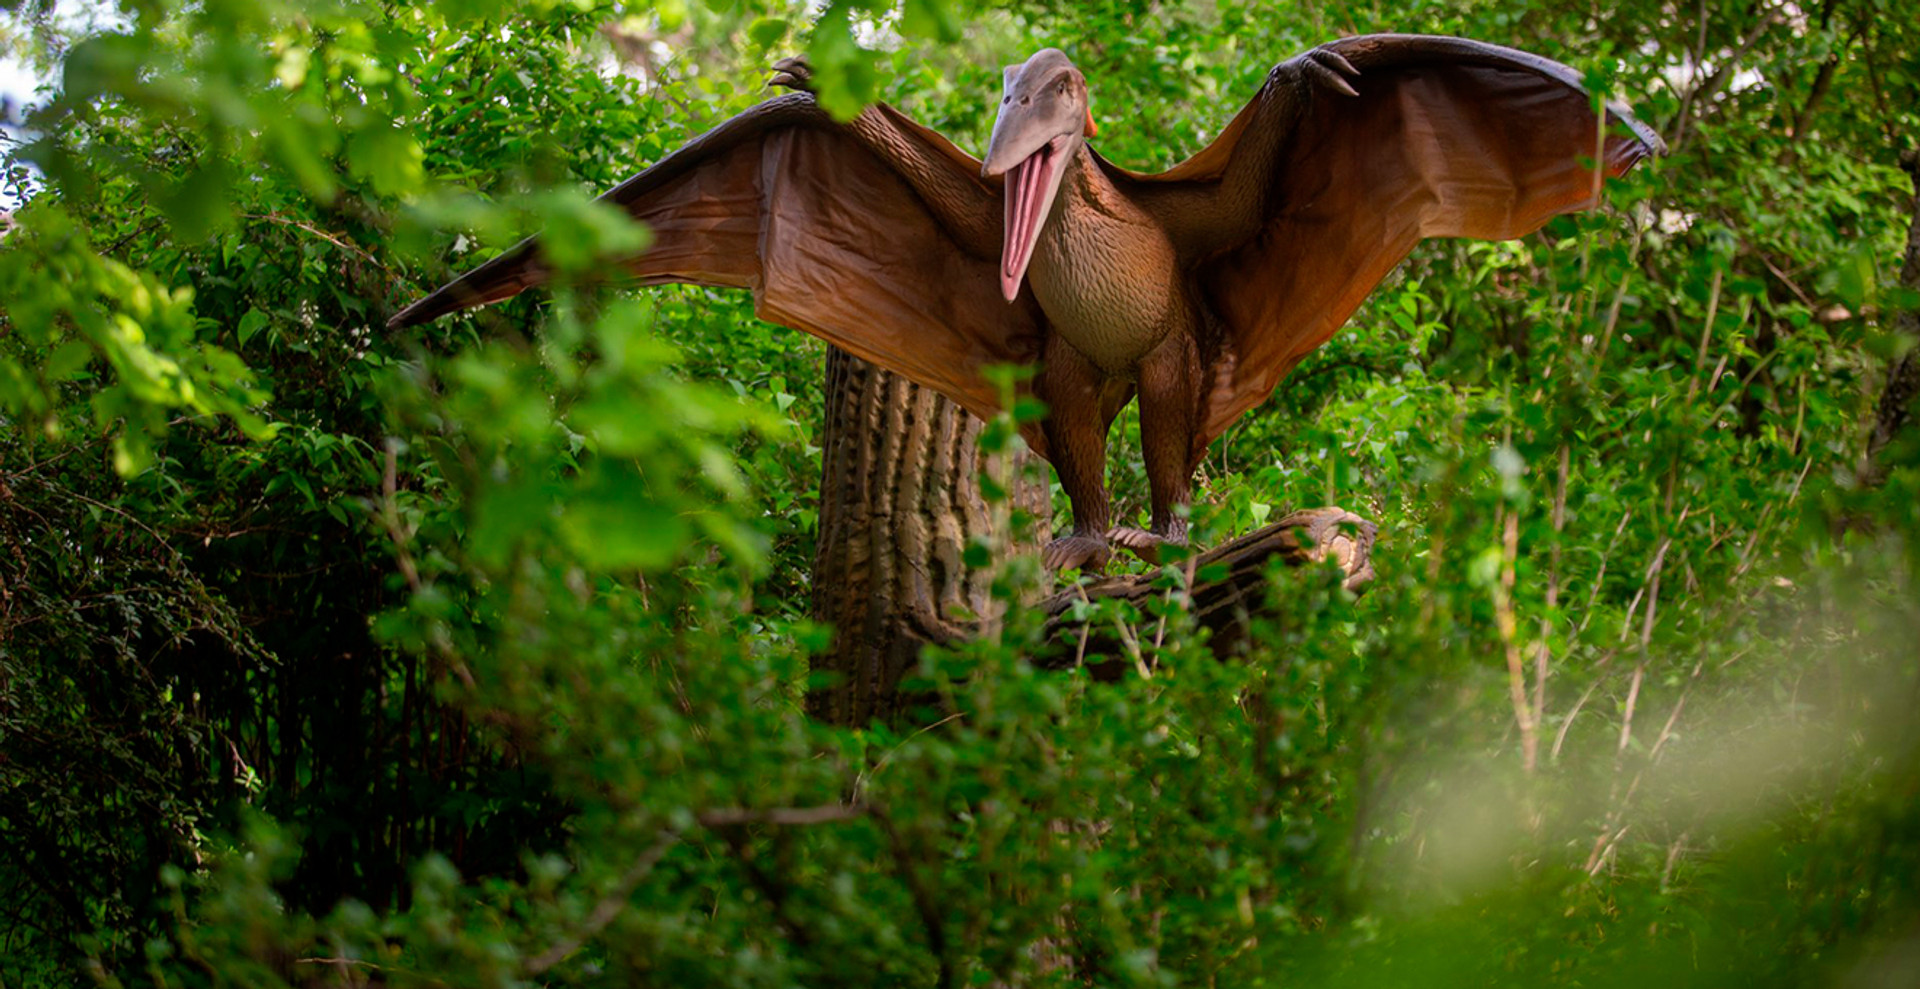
(1105, 273)
(965, 204)
(1197, 288)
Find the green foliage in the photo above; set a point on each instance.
(472, 655)
(71, 307)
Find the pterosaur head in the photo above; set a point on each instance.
(1042, 124)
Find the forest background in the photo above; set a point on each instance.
(474, 655)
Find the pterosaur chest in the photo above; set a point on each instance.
(1107, 277)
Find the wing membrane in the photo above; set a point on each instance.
(827, 235)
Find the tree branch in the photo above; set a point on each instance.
(1698, 95)
(608, 908)
(923, 901)
(1225, 604)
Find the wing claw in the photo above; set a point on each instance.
(1331, 69)
(793, 73)
(1336, 61)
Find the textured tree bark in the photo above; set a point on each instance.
(1903, 382)
(899, 502)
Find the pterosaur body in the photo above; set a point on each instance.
(1196, 289)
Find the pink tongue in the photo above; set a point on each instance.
(1026, 188)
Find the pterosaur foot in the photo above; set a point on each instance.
(1141, 543)
(1332, 70)
(793, 73)
(1088, 553)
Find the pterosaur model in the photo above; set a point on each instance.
(1197, 288)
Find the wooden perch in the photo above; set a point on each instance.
(1225, 603)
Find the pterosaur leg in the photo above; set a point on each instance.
(1076, 432)
(1168, 420)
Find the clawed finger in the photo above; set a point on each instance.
(792, 73)
(1336, 61)
(1328, 77)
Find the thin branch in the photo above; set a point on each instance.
(1785, 279)
(923, 901)
(140, 231)
(1650, 580)
(1324, 367)
(733, 816)
(400, 536)
(1604, 851)
(860, 781)
(1086, 630)
(1566, 724)
(1674, 852)
(1706, 334)
(1132, 646)
(1603, 847)
(1626, 716)
(1619, 295)
(607, 909)
(1599, 576)
(334, 239)
(1886, 116)
(1543, 653)
(1821, 82)
(1753, 540)
(1697, 95)
(1508, 625)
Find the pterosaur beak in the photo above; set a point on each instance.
(1042, 119)
(1030, 189)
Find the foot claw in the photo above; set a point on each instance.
(1088, 553)
(1141, 543)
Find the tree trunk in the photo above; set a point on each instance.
(899, 503)
(1895, 411)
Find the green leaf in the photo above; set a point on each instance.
(250, 324)
(68, 360)
(843, 75)
(929, 19)
(767, 31)
(198, 204)
(619, 533)
(390, 160)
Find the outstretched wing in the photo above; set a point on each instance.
(828, 236)
(1311, 195)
